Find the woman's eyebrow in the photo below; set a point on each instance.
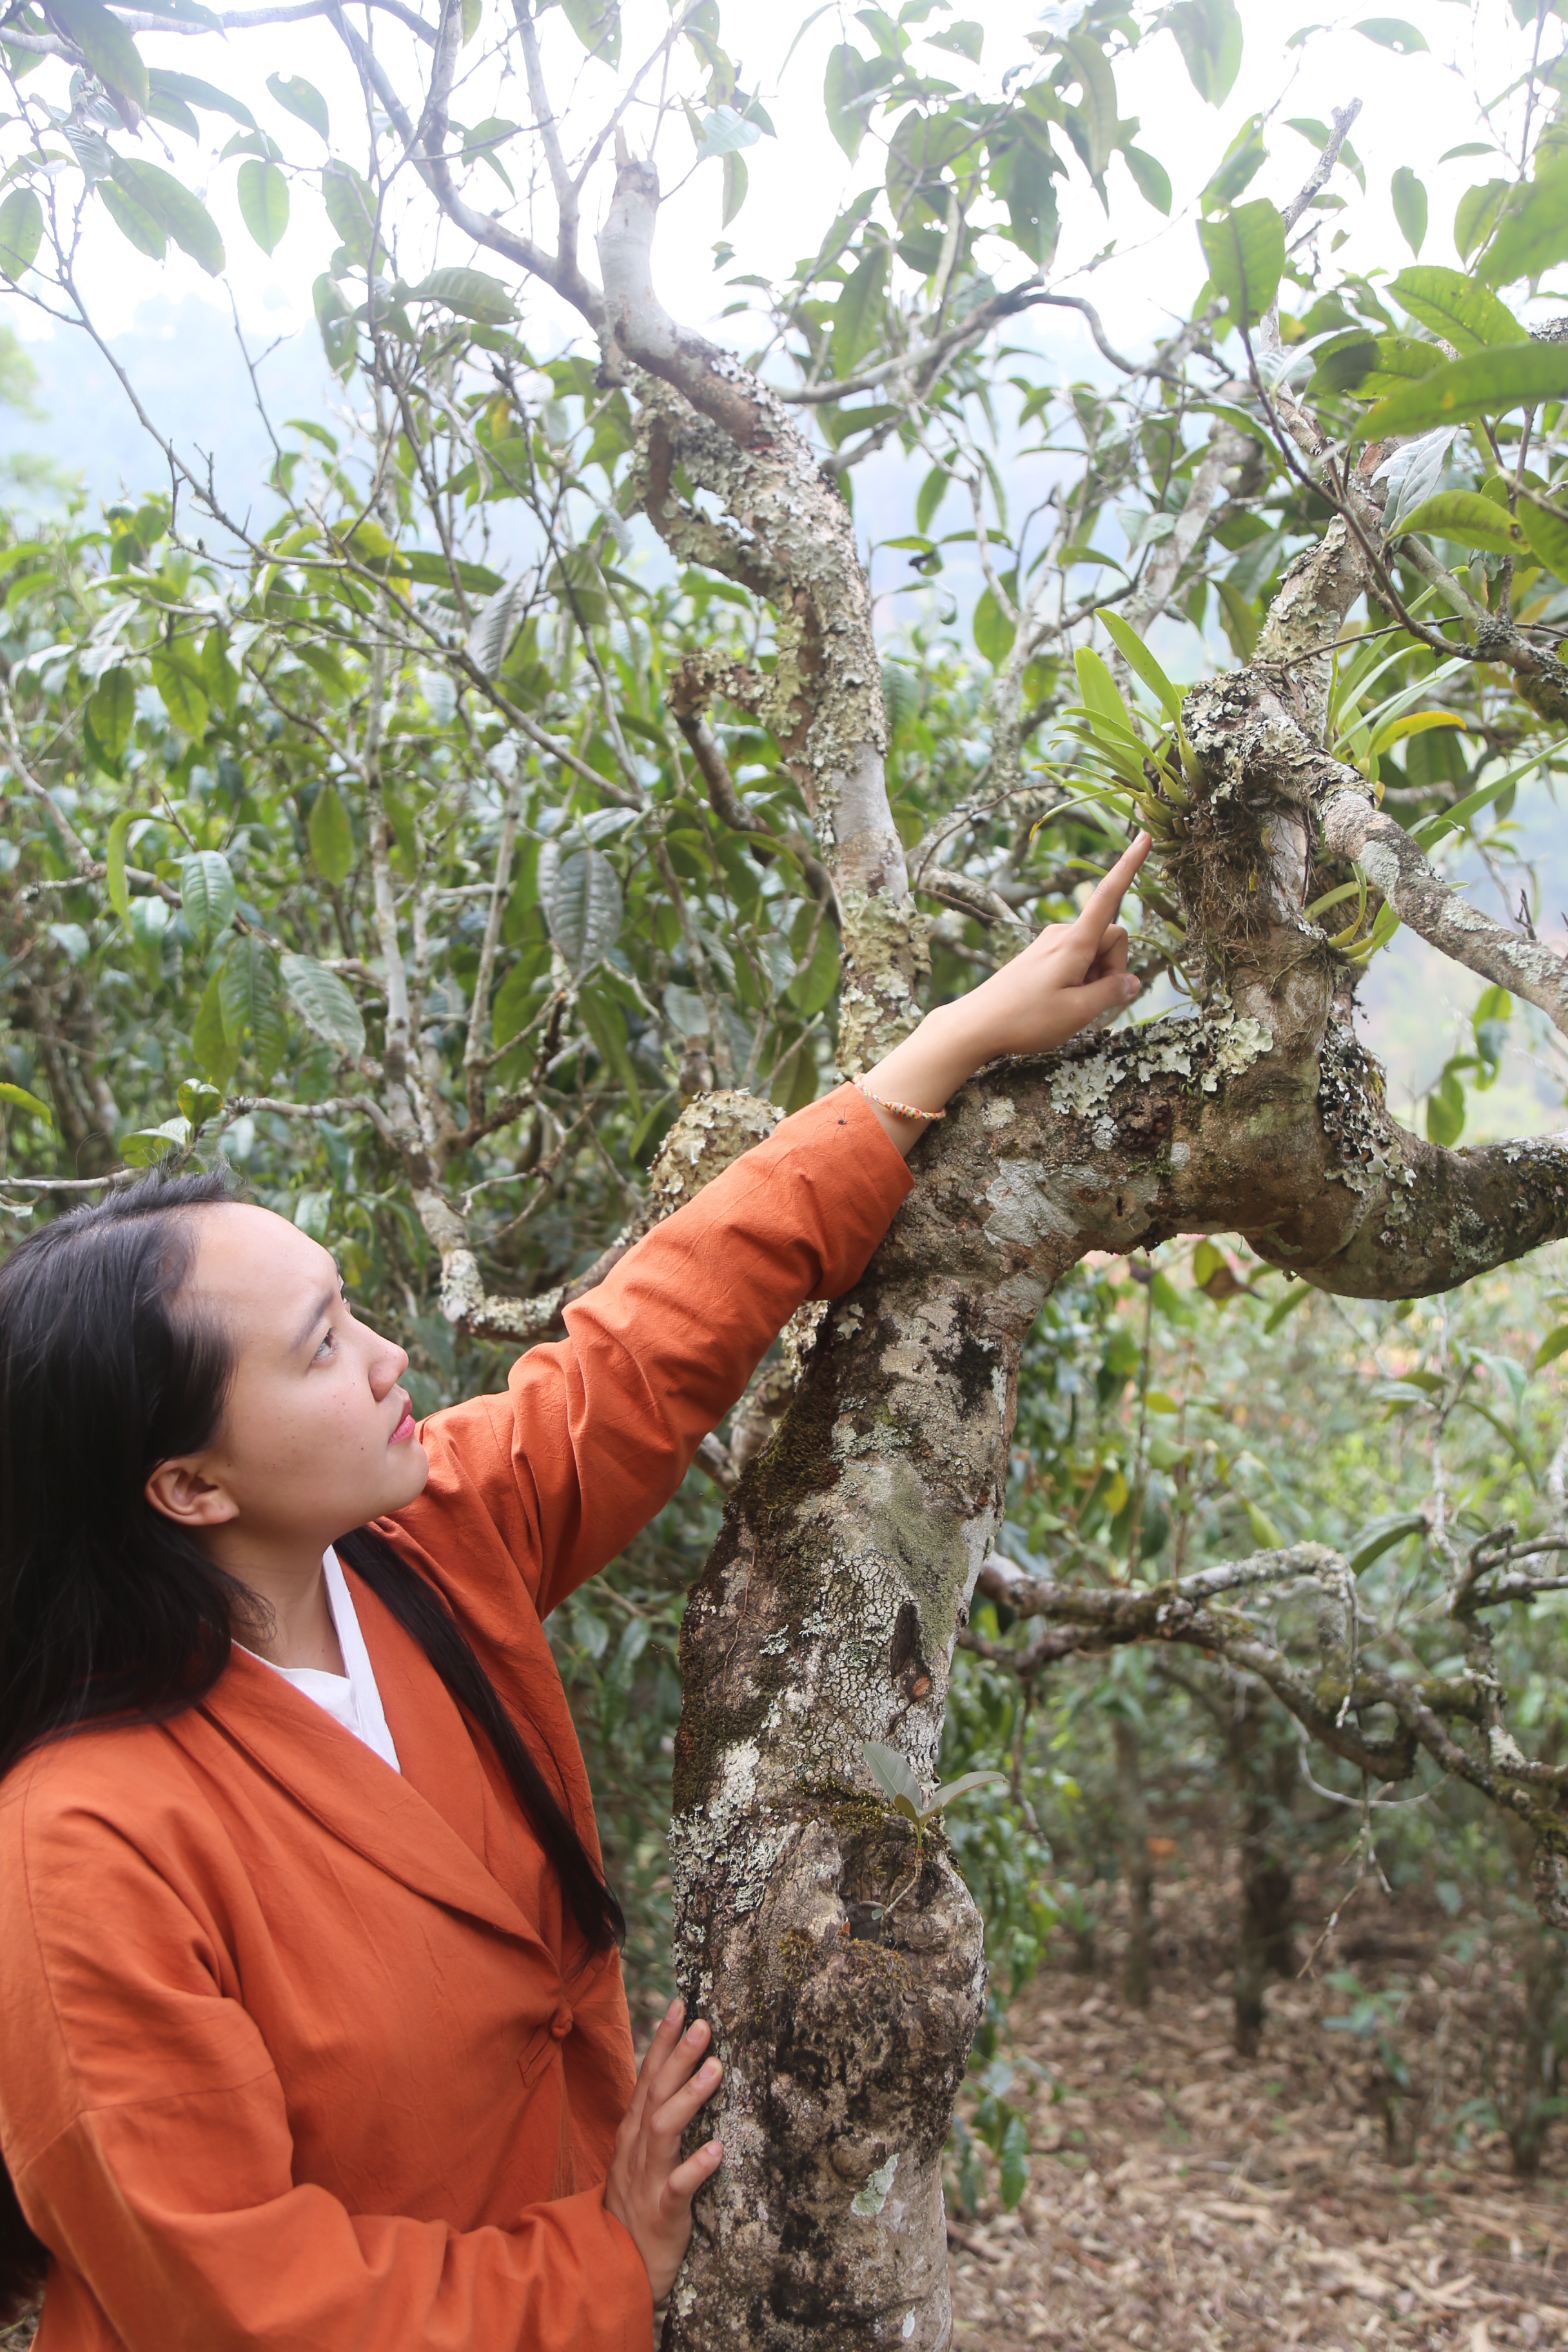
(323, 1307)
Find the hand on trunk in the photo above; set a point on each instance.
(1062, 981)
(648, 2190)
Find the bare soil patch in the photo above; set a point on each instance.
(1182, 2199)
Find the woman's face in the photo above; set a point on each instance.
(317, 1437)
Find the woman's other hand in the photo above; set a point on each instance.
(648, 2190)
(1061, 982)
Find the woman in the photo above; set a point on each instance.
(313, 2026)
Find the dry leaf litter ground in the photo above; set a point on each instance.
(1185, 2200)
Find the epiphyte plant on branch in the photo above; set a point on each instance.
(425, 852)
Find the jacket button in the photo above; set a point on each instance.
(561, 2023)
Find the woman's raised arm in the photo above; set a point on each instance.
(596, 1431)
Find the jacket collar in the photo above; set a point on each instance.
(360, 1799)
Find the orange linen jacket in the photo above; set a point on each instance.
(298, 2053)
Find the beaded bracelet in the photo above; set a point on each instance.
(899, 1110)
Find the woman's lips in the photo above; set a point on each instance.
(404, 1430)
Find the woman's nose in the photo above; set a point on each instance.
(388, 1367)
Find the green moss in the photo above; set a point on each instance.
(932, 1552)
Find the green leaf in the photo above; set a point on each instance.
(1531, 234)
(1409, 197)
(994, 631)
(208, 895)
(176, 678)
(1294, 1296)
(1546, 528)
(1015, 2173)
(473, 17)
(132, 221)
(735, 181)
(1392, 33)
(181, 215)
(248, 990)
(1208, 33)
(856, 314)
(725, 133)
(174, 112)
(148, 1145)
(1086, 60)
(303, 101)
(351, 208)
(111, 710)
(1345, 360)
(1024, 176)
(429, 567)
(220, 680)
(1246, 254)
(1483, 383)
(24, 1101)
(1446, 1110)
(114, 866)
(1141, 662)
(335, 320)
(21, 232)
(199, 94)
(470, 293)
(1454, 307)
(581, 894)
(842, 86)
(1465, 515)
(1381, 1536)
(1475, 214)
(209, 1039)
(1100, 689)
(1455, 817)
(893, 1773)
(1240, 166)
(324, 1000)
(597, 25)
(331, 835)
(1264, 1531)
(949, 1791)
(1150, 178)
(198, 1102)
(107, 46)
(818, 977)
(1555, 1345)
(263, 203)
(933, 490)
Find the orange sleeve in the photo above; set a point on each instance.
(145, 2129)
(596, 1431)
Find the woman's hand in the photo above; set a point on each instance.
(1060, 983)
(650, 2192)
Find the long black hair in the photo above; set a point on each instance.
(109, 1610)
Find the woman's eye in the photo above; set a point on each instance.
(327, 1345)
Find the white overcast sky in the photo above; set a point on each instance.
(1413, 111)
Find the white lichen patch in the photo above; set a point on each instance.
(1167, 1057)
(1079, 1088)
(869, 2200)
(998, 1111)
(1023, 1208)
(1235, 1042)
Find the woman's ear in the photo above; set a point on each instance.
(184, 1492)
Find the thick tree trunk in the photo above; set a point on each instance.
(841, 1967)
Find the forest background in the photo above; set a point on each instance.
(359, 707)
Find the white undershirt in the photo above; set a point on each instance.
(351, 1699)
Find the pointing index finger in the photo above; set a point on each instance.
(1107, 896)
